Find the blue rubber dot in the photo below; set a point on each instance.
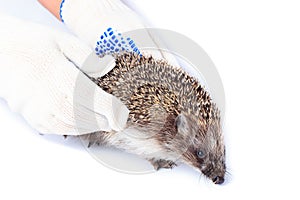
(128, 39)
(119, 45)
(123, 48)
(101, 51)
(112, 42)
(108, 45)
(116, 50)
(105, 34)
(104, 41)
(131, 42)
(98, 43)
(132, 46)
(111, 33)
(123, 42)
(109, 29)
(101, 37)
(113, 37)
(116, 41)
(97, 49)
(112, 48)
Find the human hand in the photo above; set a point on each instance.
(39, 73)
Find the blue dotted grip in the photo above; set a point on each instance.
(112, 42)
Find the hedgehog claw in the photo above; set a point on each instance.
(90, 144)
(159, 164)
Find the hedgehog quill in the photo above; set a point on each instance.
(172, 118)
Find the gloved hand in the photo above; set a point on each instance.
(97, 21)
(40, 79)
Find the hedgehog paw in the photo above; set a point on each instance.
(159, 164)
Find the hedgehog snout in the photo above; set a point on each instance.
(215, 172)
(218, 180)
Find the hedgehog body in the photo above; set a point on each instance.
(172, 117)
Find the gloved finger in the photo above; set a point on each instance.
(77, 52)
(109, 25)
(89, 19)
(83, 57)
(91, 103)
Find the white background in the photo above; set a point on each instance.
(256, 48)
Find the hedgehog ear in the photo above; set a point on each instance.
(181, 123)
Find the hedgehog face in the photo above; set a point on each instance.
(209, 158)
(206, 151)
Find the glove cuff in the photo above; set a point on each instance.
(60, 10)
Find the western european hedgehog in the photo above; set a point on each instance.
(172, 118)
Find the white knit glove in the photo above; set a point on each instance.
(99, 23)
(38, 77)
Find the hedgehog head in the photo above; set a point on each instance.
(204, 148)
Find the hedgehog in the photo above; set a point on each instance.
(172, 118)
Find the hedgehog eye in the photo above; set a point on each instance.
(200, 154)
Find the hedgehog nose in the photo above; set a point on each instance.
(218, 180)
